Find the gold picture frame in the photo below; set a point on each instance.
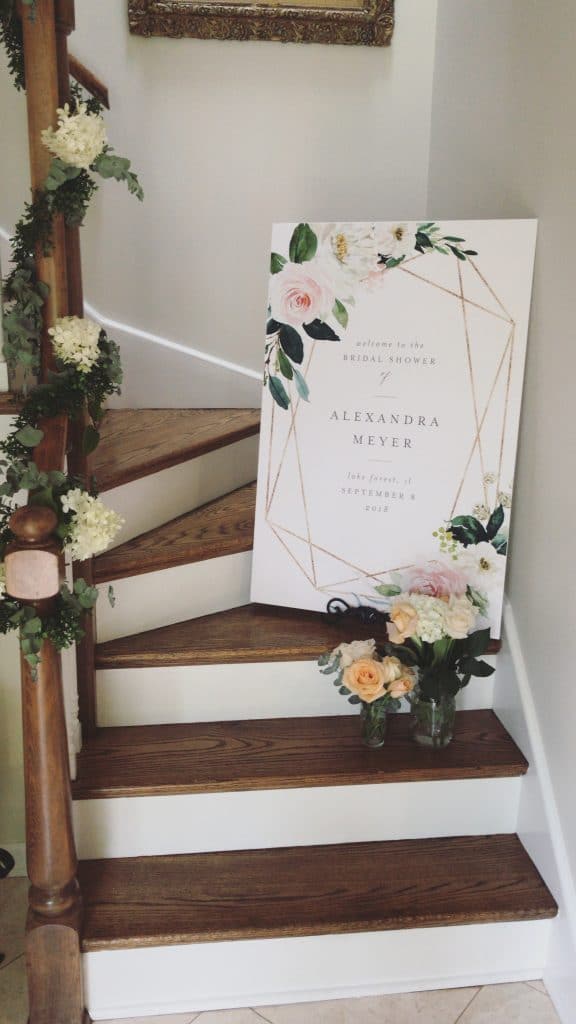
(348, 22)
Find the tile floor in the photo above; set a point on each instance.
(494, 1004)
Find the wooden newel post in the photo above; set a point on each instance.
(53, 941)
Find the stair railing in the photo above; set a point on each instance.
(34, 567)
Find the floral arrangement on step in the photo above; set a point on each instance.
(434, 636)
(87, 362)
(365, 676)
(313, 285)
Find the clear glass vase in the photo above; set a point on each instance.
(433, 720)
(374, 722)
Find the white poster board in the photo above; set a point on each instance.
(393, 380)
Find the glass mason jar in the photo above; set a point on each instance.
(433, 719)
(374, 722)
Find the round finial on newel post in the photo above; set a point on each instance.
(33, 524)
(33, 559)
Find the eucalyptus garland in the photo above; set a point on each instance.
(87, 362)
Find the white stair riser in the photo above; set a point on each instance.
(205, 822)
(160, 598)
(160, 497)
(212, 693)
(265, 972)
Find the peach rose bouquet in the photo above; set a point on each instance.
(432, 626)
(364, 677)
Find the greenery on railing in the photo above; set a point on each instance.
(87, 363)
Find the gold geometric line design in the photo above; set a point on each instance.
(293, 412)
(338, 558)
(457, 295)
(484, 414)
(304, 502)
(292, 556)
(269, 473)
(505, 417)
(491, 290)
(473, 385)
(291, 533)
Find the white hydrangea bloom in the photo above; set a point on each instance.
(349, 653)
(75, 341)
(79, 138)
(2, 579)
(93, 526)
(431, 616)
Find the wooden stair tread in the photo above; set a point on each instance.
(224, 526)
(315, 890)
(136, 442)
(249, 633)
(284, 753)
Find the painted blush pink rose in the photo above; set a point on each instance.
(436, 580)
(300, 293)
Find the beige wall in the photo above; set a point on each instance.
(504, 144)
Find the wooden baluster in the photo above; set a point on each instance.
(53, 928)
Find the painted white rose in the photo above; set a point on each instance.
(349, 653)
(79, 138)
(483, 565)
(348, 254)
(300, 293)
(395, 239)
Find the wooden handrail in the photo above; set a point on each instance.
(88, 80)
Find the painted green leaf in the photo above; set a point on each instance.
(303, 244)
(468, 530)
(29, 436)
(278, 392)
(277, 262)
(500, 543)
(285, 365)
(320, 331)
(495, 522)
(453, 238)
(301, 385)
(341, 313)
(291, 342)
(388, 589)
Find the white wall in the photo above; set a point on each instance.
(503, 144)
(229, 137)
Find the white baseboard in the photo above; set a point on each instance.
(18, 851)
(265, 972)
(539, 825)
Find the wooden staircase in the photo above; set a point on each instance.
(223, 799)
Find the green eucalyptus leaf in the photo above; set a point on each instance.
(388, 589)
(29, 436)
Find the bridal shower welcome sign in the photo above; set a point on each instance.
(392, 384)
